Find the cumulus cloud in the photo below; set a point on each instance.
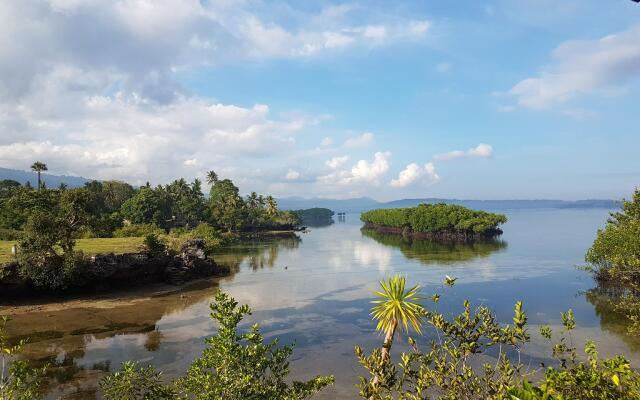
(326, 141)
(292, 175)
(582, 67)
(482, 151)
(359, 141)
(363, 172)
(336, 162)
(414, 173)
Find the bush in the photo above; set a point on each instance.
(10, 234)
(437, 218)
(20, 381)
(233, 366)
(153, 244)
(179, 236)
(138, 230)
(455, 365)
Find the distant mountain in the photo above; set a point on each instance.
(51, 181)
(365, 203)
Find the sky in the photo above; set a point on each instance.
(469, 99)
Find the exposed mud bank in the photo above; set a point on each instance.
(443, 236)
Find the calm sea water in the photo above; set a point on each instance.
(316, 291)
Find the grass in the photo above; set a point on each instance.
(88, 246)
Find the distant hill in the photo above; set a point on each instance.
(365, 203)
(50, 180)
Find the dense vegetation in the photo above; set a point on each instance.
(436, 218)
(47, 222)
(466, 356)
(315, 216)
(614, 259)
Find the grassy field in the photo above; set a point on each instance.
(88, 246)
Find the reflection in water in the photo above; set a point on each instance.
(257, 253)
(317, 292)
(60, 333)
(431, 252)
(611, 320)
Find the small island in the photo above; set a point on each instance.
(315, 217)
(443, 222)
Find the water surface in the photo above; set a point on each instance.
(315, 291)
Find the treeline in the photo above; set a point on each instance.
(437, 218)
(315, 216)
(103, 209)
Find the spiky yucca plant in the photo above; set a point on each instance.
(397, 306)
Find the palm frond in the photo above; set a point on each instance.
(396, 305)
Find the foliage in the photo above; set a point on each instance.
(179, 236)
(233, 366)
(10, 234)
(615, 253)
(226, 206)
(240, 365)
(138, 230)
(154, 244)
(148, 206)
(19, 381)
(135, 383)
(315, 216)
(456, 363)
(437, 218)
(46, 255)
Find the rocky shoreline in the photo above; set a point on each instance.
(442, 236)
(114, 271)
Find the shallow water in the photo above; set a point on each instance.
(316, 291)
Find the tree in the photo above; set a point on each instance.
(226, 205)
(135, 383)
(272, 206)
(396, 306)
(38, 167)
(149, 206)
(212, 178)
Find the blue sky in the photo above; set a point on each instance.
(467, 99)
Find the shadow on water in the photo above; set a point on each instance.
(431, 252)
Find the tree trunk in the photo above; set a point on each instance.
(386, 350)
(39, 185)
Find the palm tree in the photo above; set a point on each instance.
(38, 167)
(396, 306)
(272, 206)
(212, 177)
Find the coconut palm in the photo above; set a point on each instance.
(212, 177)
(38, 167)
(272, 206)
(396, 306)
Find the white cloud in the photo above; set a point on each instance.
(326, 141)
(482, 150)
(336, 162)
(363, 172)
(413, 173)
(359, 141)
(191, 162)
(292, 175)
(582, 67)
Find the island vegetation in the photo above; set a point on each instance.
(435, 221)
(315, 216)
(56, 229)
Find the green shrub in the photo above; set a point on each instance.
(138, 230)
(436, 218)
(233, 366)
(135, 383)
(19, 381)
(154, 244)
(10, 234)
(455, 365)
